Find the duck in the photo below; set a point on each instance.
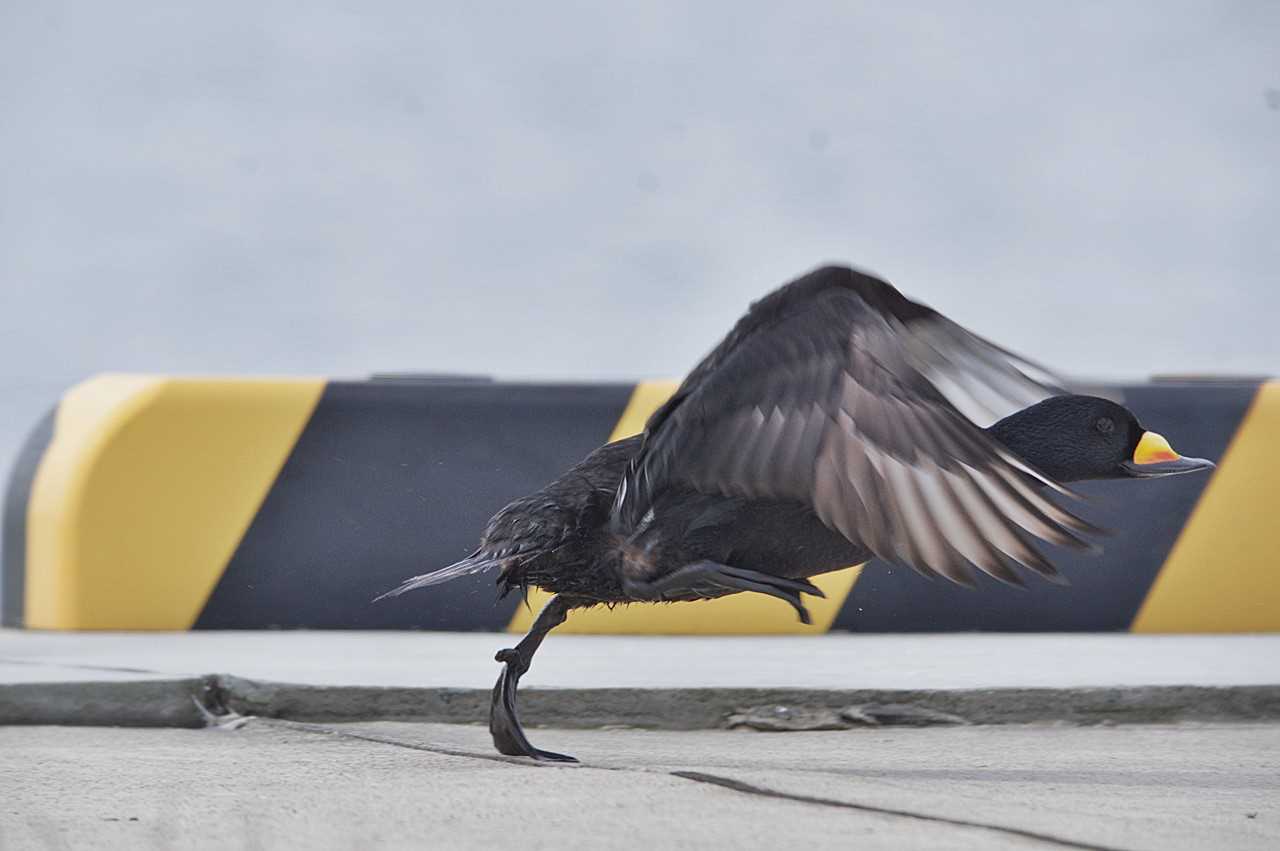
(837, 421)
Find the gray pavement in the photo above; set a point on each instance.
(293, 776)
(273, 784)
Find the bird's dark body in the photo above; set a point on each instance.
(826, 427)
(778, 537)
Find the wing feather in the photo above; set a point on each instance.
(838, 391)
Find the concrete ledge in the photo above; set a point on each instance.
(137, 703)
(710, 708)
(169, 703)
(149, 679)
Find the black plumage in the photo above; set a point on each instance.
(836, 421)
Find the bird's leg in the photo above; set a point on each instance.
(705, 580)
(504, 721)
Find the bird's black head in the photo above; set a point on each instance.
(1071, 438)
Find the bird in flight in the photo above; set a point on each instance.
(837, 421)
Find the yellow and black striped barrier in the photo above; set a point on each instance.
(191, 503)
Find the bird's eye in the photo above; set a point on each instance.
(1105, 425)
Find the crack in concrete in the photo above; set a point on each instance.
(749, 789)
(695, 776)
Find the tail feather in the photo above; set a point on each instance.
(474, 563)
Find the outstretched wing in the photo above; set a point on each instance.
(838, 391)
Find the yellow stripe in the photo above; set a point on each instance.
(740, 614)
(145, 492)
(1221, 575)
(648, 397)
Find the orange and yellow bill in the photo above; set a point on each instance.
(1153, 449)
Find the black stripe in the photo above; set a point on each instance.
(1105, 591)
(13, 589)
(392, 479)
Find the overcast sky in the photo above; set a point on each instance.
(586, 191)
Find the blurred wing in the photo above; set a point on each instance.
(838, 391)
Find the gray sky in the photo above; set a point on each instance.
(585, 191)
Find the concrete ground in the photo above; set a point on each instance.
(296, 777)
(278, 784)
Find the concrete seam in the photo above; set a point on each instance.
(764, 792)
(696, 776)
